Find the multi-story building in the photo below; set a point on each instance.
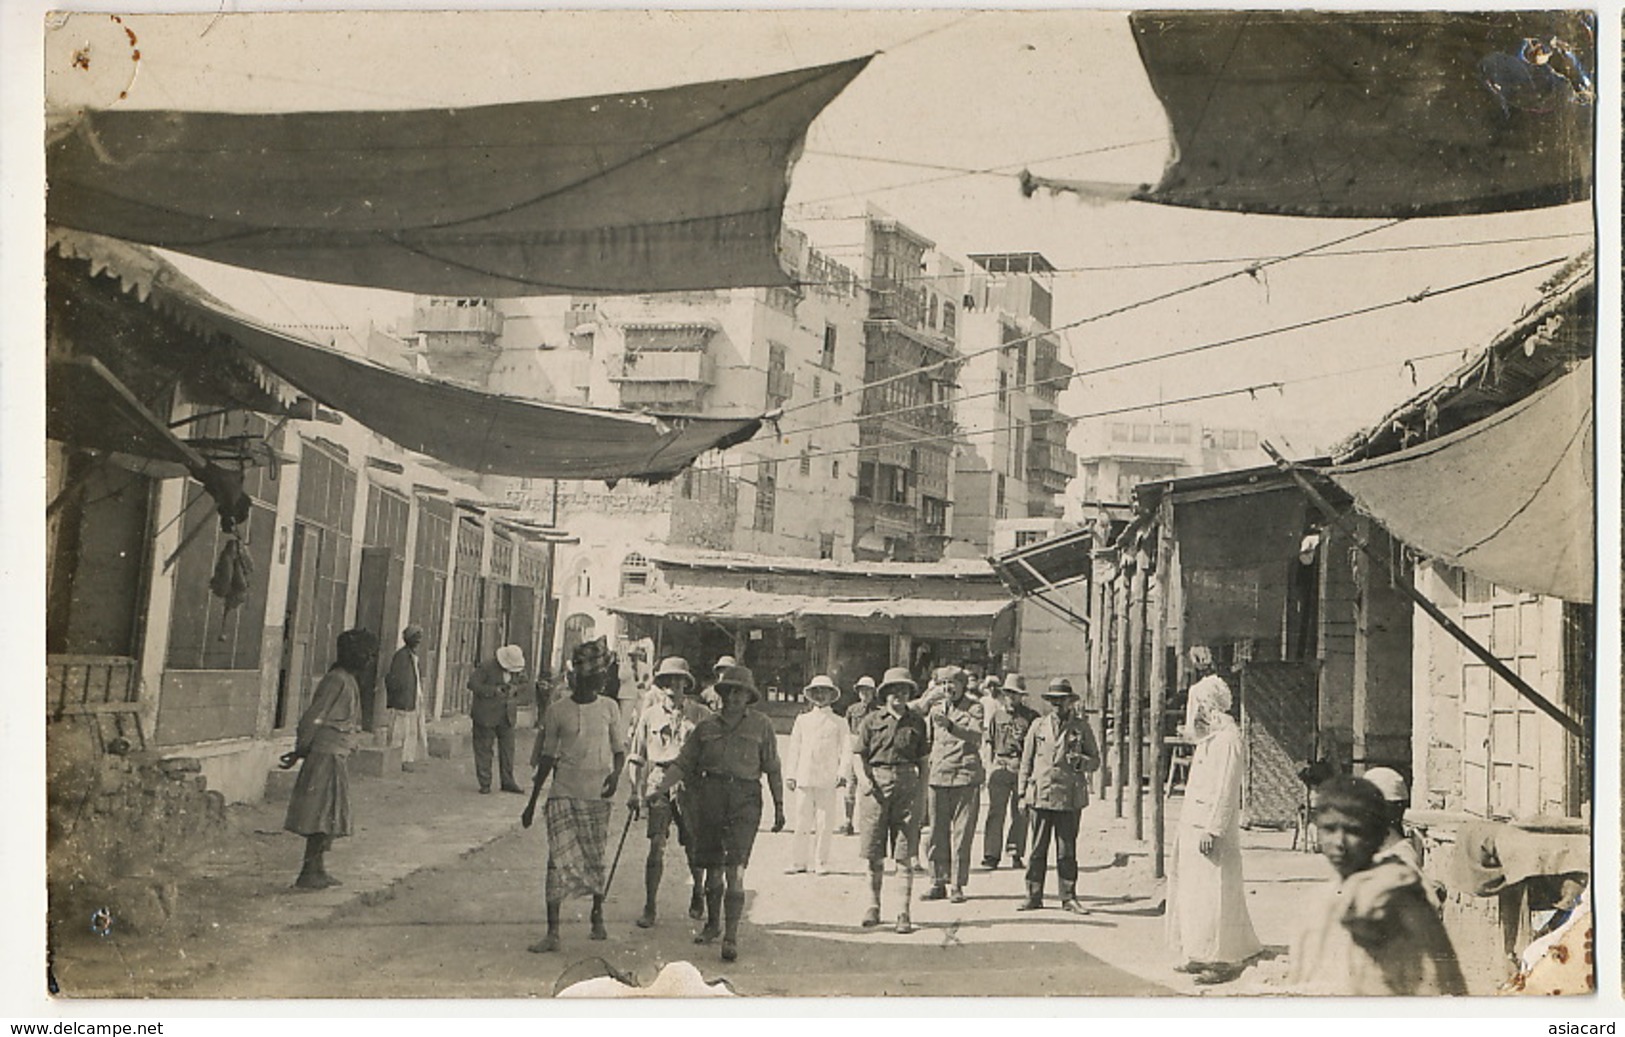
(1116, 454)
(713, 353)
(905, 465)
(1019, 468)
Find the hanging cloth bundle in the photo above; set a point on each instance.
(232, 571)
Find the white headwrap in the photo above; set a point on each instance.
(1209, 699)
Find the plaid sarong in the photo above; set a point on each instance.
(577, 835)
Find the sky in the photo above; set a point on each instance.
(949, 91)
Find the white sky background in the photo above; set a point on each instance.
(963, 89)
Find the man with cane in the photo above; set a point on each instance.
(583, 746)
(657, 737)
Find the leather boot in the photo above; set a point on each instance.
(1035, 897)
(1069, 898)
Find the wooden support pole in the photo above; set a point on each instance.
(1157, 610)
(1137, 692)
(1423, 602)
(1120, 685)
(1099, 650)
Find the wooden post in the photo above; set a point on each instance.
(1100, 629)
(1120, 672)
(1158, 612)
(1137, 695)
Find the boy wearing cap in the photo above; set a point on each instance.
(817, 764)
(865, 689)
(1006, 735)
(658, 735)
(494, 712)
(722, 764)
(1057, 755)
(892, 743)
(583, 747)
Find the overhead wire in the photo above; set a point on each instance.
(1104, 314)
(1008, 169)
(1249, 390)
(1164, 264)
(1426, 293)
(970, 433)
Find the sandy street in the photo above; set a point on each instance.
(442, 895)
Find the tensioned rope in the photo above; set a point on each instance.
(1426, 293)
(1115, 311)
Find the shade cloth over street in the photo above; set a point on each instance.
(490, 433)
(655, 190)
(1509, 498)
(478, 431)
(1366, 114)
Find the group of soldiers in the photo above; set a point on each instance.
(906, 759)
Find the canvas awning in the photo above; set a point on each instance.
(990, 619)
(656, 190)
(473, 430)
(1509, 498)
(1368, 114)
(490, 433)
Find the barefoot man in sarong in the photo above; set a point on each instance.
(583, 746)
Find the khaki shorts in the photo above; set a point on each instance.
(892, 815)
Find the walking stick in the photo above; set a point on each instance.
(610, 880)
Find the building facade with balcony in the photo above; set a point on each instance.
(1116, 454)
(905, 460)
(1022, 468)
(713, 353)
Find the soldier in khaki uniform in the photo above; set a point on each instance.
(1059, 751)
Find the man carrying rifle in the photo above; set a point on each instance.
(583, 746)
(658, 735)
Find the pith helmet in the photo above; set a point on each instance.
(674, 666)
(898, 675)
(740, 677)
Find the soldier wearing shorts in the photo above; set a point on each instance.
(891, 746)
(657, 738)
(722, 764)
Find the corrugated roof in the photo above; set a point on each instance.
(735, 561)
(734, 603)
(1553, 334)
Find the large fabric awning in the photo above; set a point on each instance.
(1510, 498)
(477, 431)
(1368, 114)
(657, 190)
(490, 433)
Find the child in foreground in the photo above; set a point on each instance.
(1373, 930)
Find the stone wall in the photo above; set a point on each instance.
(115, 827)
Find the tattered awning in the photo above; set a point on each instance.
(473, 430)
(489, 433)
(656, 190)
(1510, 498)
(1371, 114)
(991, 619)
